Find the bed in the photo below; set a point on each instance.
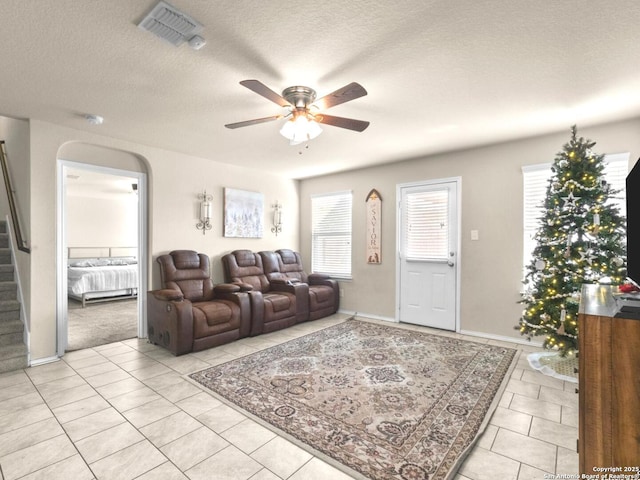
(101, 274)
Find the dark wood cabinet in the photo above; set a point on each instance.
(609, 384)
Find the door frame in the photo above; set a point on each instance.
(457, 242)
(62, 327)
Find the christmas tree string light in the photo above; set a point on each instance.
(580, 239)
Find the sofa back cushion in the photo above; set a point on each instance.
(188, 272)
(290, 264)
(244, 266)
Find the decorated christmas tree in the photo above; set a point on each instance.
(580, 239)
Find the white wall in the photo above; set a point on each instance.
(491, 203)
(174, 181)
(102, 222)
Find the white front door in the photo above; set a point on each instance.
(428, 251)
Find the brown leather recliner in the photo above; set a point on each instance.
(286, 265)
(275, 305)
(190, 313)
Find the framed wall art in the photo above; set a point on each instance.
(374, 213)
(243, 213)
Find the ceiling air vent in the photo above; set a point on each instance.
(170, 24)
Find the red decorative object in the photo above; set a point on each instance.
(628, 288)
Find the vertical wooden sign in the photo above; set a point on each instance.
(374, 213)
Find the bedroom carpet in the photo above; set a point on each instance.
(386, 402)
(101, 323)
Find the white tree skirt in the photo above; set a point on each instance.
(552, 364)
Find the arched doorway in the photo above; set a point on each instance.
(119, 182)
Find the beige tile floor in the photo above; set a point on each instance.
(124, 411)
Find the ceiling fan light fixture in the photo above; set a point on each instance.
(300, 128)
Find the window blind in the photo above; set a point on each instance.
(426, 220)
(331, 234)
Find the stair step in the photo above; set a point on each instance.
(4, 240)
(9, 305)
(9, 310)
(5, 255)
(14, 338)
(11, 326)
(8, 290)
(3, 226)
(13, 357)
(6, 273)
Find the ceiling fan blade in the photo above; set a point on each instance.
(345, 94)
(253, 122)
(349, 123)
(261, 89)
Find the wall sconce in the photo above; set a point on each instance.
(277, 218)
(205, 212)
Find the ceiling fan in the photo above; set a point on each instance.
(304, 112)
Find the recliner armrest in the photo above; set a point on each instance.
(323, 279)
(318, 278)
(285, 281)
(244, 287)
(227, 288)
(168, 295)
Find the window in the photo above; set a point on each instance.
(536, 179)
(426, 218)
(331, 234)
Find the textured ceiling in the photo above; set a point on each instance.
(441, 75)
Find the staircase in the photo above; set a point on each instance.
(13, 351)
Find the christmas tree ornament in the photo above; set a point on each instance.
(540, 265)
(570, 201)
(587, 255)
(617, 261)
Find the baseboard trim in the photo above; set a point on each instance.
(502, 338)
(368, 315)
(42, 361)
(471, 333)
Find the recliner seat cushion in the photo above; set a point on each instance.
(211, 318)
(280, 302)
(321, 293)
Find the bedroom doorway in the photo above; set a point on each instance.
(101, 255)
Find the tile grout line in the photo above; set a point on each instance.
(53, 415)
(126, 420)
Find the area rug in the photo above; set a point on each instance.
(383, 401)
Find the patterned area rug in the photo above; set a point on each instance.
(386, 402)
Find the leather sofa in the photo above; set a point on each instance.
(285, 265)
(190, 313)
(275, 304)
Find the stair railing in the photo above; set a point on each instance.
(20, 241)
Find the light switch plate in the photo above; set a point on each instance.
(475, 235)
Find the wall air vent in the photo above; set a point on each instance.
(170, 24)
